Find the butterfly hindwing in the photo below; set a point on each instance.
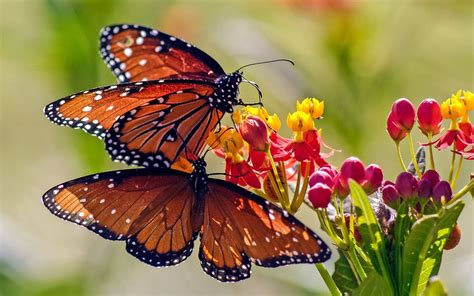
(241, 228)
(136, 53)
(151, 209)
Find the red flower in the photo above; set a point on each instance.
(394, 130)
(451, 137)
(404, 114)
(241, 173)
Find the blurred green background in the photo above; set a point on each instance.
(358, 56)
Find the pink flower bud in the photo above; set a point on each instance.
(442, 189)
(429, 117)
(352, 168)
(390, 194)
(330, 170)
(393, 129)
(424, 189)
(341, 190)
(373, 178)
(320, 195)
(432, 176)
(405, 113)
(254, 131)
(321, 177)
(407, 185)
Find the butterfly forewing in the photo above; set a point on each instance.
(157, 133)
(152, 210)
(240, 227)
(135, 53)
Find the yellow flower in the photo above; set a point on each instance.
(230, 140)
(467, 99)
(311, 106)
(274, 122)
(453, 108)
(299, 122)
(271, 120)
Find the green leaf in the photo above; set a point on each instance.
(374, 284)
(435, 288)
(401, 230)
(424, 247)
(344, 276)
(374, 243)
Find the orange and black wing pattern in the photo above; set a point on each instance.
(159, 132)
(137, 53)
(151, 209)
(241, 228)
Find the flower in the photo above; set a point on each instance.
(404, 114)
(406, 185)
(299, 122)
(241, 173)
(352, 168)
(442, 191)
(273, 121)
(453, 109)
(321, 177)
(312, 107)
(395, 132)
(320, 195)
(254, 131)
(390, 194)
(429, 117)
(373, 178)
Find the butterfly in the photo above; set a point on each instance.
(160, 212)
(168, 88)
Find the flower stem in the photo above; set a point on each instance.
(456, 176)
(328, 279)
(399, 153)
(413, 156)
(453, 163)
(432, 162)
(298, 199)
(469, 186)
(298, 181)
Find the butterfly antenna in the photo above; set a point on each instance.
(267, 62)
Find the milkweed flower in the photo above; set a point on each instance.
(454, 109)
(312, 107)
(254, 131)
(403, 114)
(429, 117)
(394, 130)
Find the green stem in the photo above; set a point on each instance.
(399, 154)
(328, 279)
(413, 156)
(456, 176)
(453, 163)
(356, 263)
(298, 181)
(298, 199)
(430, 138)
(469, 186)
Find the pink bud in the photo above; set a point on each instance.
(321, 177)
(352, 168)
(393, 129)
(320, 195)
(429, 117)
(254, 131)
(432, 176)
(407, 185)
(341, 190)
(390, 194)
(330, 170)
(442, 189)
(424, 189)
(405, 113)
(373, 178)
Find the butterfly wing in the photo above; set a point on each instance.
(96, 110)
(135, 53)
(241, 228)
(157, 133)
(151, 209)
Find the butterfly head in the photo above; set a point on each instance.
(225, 96)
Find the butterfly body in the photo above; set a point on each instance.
(160, 212)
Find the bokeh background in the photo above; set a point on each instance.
(358, 56)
